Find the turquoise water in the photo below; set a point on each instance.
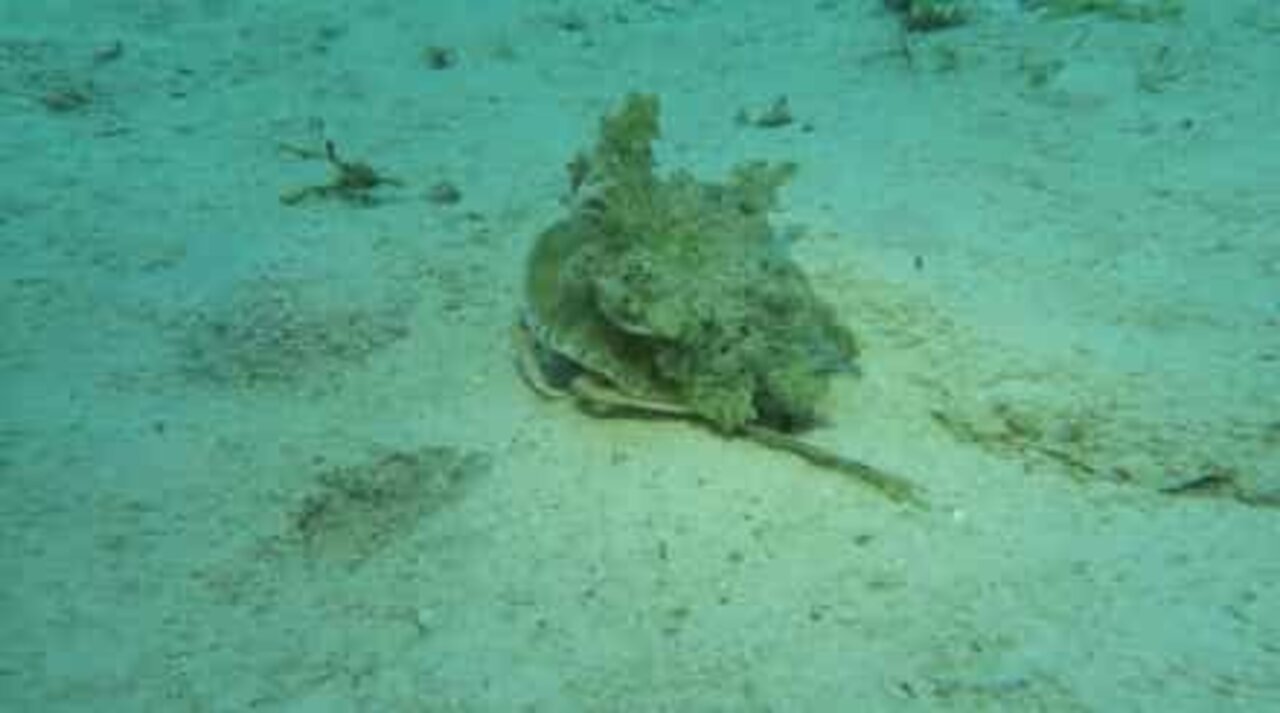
(265, 444)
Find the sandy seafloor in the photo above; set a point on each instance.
(266, 457)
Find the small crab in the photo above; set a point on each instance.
(671, 297)
(352, 181)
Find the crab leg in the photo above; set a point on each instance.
(894, 487)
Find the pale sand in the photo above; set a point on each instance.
(1069, 295)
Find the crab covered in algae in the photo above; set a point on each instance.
(672, 296)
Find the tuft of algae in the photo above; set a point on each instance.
(679, 289)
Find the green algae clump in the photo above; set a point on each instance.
(679, 290)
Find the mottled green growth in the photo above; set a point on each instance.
(678, 289)
(624, 151)
(1131, 10)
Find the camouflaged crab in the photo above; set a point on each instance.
(669, 296)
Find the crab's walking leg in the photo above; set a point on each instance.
(894, 487)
